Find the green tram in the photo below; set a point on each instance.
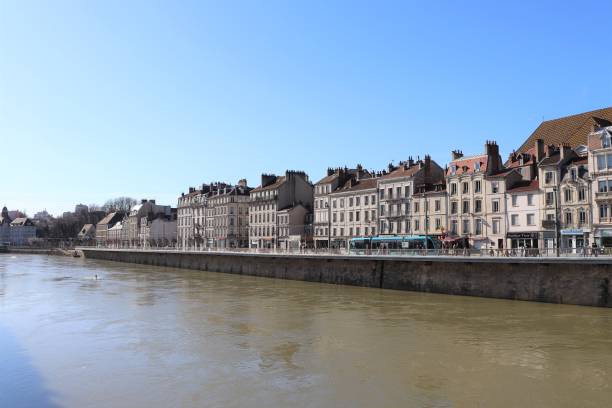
(392, 244)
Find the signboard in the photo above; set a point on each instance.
(522, 235)
(548, 224)
(572, 231)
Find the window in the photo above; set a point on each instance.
(466, 188)
(466, 207)
(550, 198)
(351, 231)
(341, 231)
(351, 216)
(581, 194)
(495, 187)
(334, 203)
(495, 226)
(454, 207)
(453, 189)
(568, 218)
(603, 211)
(390, 192)
(416, 207)
(357, 213)
(382, 193)
(477, 205)
(416, 225)
(548, 177)
(407, 191)
(350, 201)
(514, 219)
(514, 201)
(342, 203)
(436, 223)
(605, 140)
(602, 186)
(478, 227)
(437, 205)
(568, 195)
(365, 230)
(366, 216)
(341, 217)
(365, 201)
(454, 227)
(477, 186)
(601, 162)
(357, 202)
(453, 169)
(373, 199)
(466, 226)
(334, 217)
(530, 219)
(477, 166)
(357, 231)
(398, 192)
(382, 210)
(495, 206)
(582, 216)
(529, 199)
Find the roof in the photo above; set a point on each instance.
(469, 163)
(357, 185)
(328, 179)
(402, 171)
(573, 129)
(108, 218)
(279, 181)
(529, 156)
(22, 221)
(524, 185)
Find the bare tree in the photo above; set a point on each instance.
(94, 207)
(119, 204)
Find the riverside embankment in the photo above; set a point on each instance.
(576, 281)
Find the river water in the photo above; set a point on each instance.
(140, 336)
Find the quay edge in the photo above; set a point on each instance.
(575, 281)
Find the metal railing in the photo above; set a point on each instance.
(442, 252)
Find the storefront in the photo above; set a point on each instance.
(603, 237)
(527, 240)
(574, 238)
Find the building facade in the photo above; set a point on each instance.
(227, 216)
(600, 169)
(276, 193)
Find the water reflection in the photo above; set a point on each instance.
(165, 337)
(21, 386)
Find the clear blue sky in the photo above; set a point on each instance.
(101, 99)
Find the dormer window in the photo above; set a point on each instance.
(477, 166)
(606, 140)
(453, 170)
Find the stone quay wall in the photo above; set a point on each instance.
(576, 281)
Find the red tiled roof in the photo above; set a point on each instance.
(573, 129)
(351, 185)
(402, 171)
(468, 162)
(525, 185)
(279, 180)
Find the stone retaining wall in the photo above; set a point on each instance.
(570, 281)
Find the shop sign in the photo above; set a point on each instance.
(522, 235)
(572, 231)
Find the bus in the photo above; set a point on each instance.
(392, 244)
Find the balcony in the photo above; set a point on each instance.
(397, 199)
(605, 195)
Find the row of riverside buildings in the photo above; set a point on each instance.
(554, 191)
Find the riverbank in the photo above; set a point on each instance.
(575, 281)
(46, 251)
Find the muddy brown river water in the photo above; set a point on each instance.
(140, 336)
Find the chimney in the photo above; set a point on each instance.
(390, 167)
(330, 171)
(242, 182)
(267, 179)
(191, 189)
(565, 151)
(144, 200)
(410, 161)
(456, 154)
(539, 150)
(494, 163)
(152, 201)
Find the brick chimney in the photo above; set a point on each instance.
(456, 155)
(564, 151)
(267, 179)
(494, 163)
(539, 150)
